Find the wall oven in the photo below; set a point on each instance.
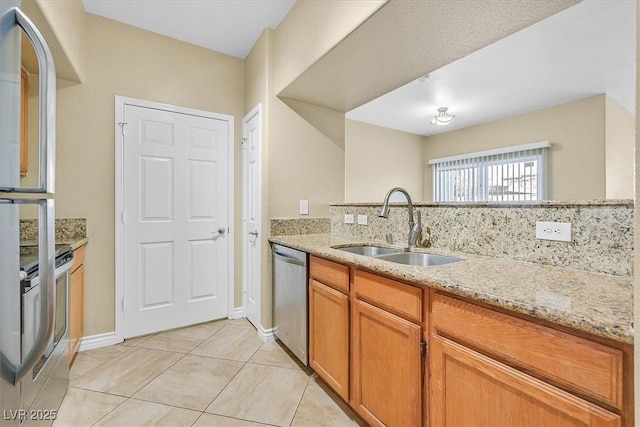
(56, 350)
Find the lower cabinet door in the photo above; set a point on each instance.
(471, 389)
(387, 367)
(329, 336)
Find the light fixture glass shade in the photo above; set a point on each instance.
(442, 118)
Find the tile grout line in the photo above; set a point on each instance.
(127, 398)
(300, 401)
(230, 381)
(131, 348)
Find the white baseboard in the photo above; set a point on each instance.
(97, 341)
(266, 335)
(237, 313)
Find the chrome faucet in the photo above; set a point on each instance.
(415, 227)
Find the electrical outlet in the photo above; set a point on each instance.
(304, 207)
(348, 219)
(363, 220)
(560, 231)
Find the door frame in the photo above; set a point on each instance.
(120, 102)
(257, 110)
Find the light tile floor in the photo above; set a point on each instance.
(213, 374)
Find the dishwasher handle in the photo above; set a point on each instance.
(288, 259)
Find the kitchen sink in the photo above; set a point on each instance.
(369, 250)
(419, 259)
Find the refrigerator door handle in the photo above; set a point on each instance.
(11, 372)
(47, 116)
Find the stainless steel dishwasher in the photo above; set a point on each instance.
(290, 284)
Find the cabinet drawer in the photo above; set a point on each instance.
(330, 273)
(395, 297)
(586, 367)
(79, 257)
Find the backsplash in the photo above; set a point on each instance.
(602, 231)
(66, 229)
(289, 226)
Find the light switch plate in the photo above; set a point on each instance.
(304, 207)
(363, 220)
(560, 231)
(348, 219)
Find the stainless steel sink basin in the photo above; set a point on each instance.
(419, 259)
(369, 250)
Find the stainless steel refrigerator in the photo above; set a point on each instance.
(34, 372)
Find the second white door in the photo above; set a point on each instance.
(175, 219)
(252, 214)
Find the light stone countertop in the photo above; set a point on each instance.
(599, 304)
(75, 243)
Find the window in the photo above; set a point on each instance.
(507, 174)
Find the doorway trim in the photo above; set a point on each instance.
(120, 102)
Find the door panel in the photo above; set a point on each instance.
(201, 269)
(329, 336)
(175, 198)
(157, 189)
(202, 201)
(387, 367)
(156, 274)
(468, 388)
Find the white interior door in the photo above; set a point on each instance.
(251, 214)
(175, 219)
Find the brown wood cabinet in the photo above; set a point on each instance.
(329, 332)
(387, 367)
(471, 389)
(365, 341)
(329, 323)
(404, 355)
(490, 368)
(76, 303)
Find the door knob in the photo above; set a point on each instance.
(221, 230)
(253, 233)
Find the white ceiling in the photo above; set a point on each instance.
(228, 26)
(582, 51)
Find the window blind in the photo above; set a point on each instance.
(508, 174)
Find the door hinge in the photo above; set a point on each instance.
(121, 124)
(423, 348)
(123, 218)
(122, 304)
(243, 141)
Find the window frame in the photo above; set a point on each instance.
(481, 162)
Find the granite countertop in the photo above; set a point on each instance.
(596, 303)
(75, 243)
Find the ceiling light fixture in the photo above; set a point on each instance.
(442, 118)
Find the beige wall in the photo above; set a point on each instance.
(258, 90)
(123, 60)
(378, 159)
(62, 23)
(304, 164)
(299, 161)
(619, 147)
(576, 130)
(311, 29)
